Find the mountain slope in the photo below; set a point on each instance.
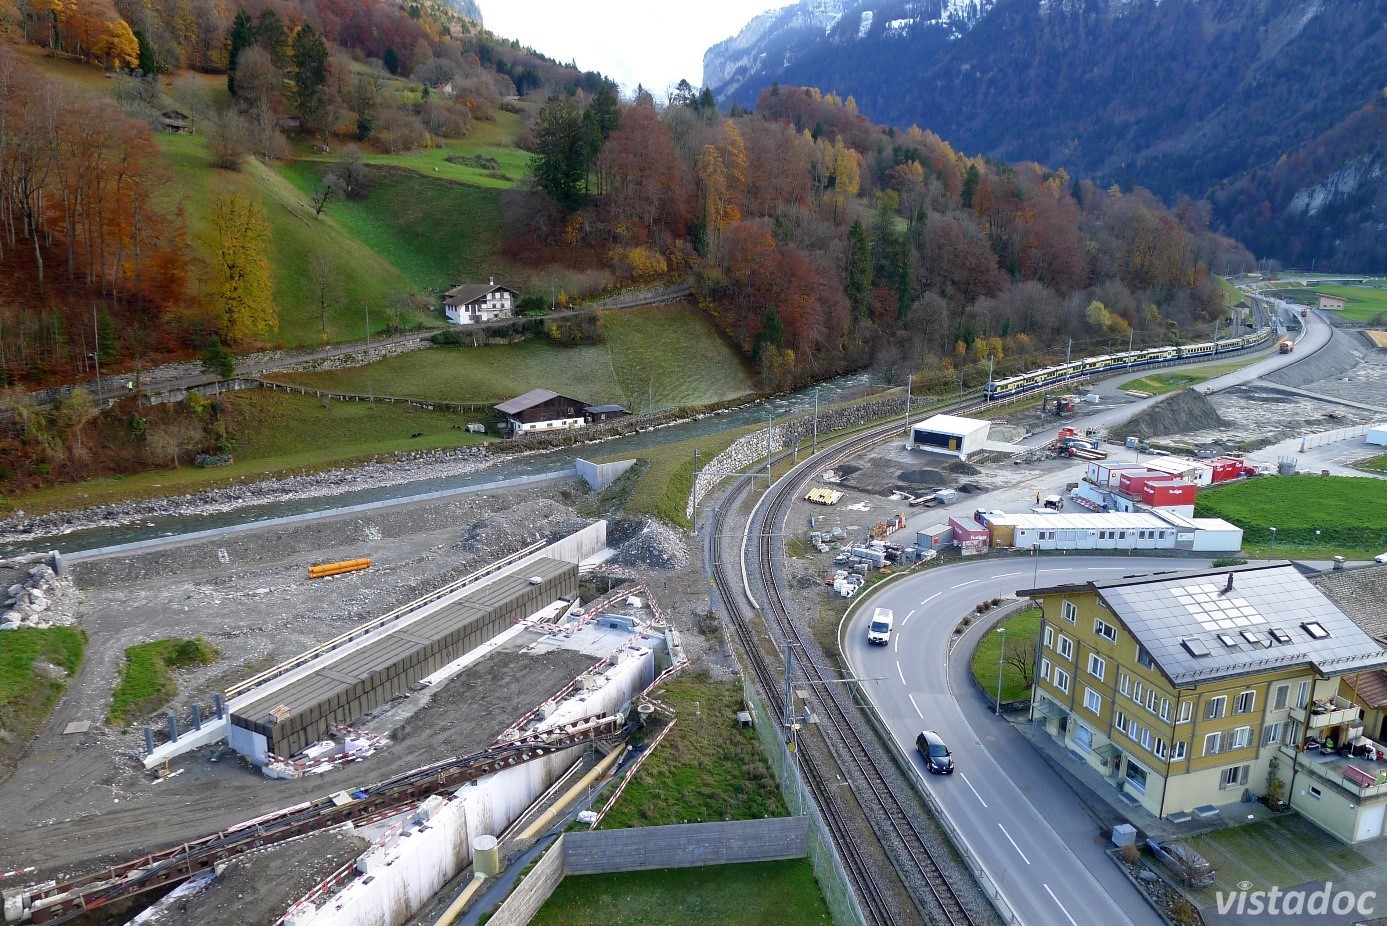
(1193, 97)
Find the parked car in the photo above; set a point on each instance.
(1380, 558)
(938, 759)
(1191, 867)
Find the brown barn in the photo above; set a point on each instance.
(542, 410)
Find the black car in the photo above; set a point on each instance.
(937, 757)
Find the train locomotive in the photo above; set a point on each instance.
(1126, 360)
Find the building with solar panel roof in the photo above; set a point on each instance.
(1193, 690)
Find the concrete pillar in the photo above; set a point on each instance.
(197, 716)
(173, 728)
(148, 740)
(218, 705)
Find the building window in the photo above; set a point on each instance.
(1096, 666)
(1136, 776)
(1315, 793)
(1049, 638)
(1145, 739)
(1165, 709)
(1213, 744)
(1283, 694)
(1083, 737)
(1214, 707)
(1119, 720)
(1133, 729)
(1242, 738)
(1124, 683)
(1244, 702)
(1151, 700)
(1302, 697)
(1093, 700)
(1062, 680)
(1272, 734)
(1144, 658)
(1069, 611)
(1066, 647)
(1045, 669)
(1159, 749)
(1233, 776)
(1105, 630)
(1138, 692)
(1177, 750)
(1186, 711)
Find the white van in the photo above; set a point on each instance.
(879, 631)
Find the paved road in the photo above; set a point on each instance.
(1016, 814)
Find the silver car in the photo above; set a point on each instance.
(1192, 868)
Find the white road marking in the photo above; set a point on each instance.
(898, 643)
(1058, 904)
(1007, 575)
(918, 712)
(1019, 852)
(930, 598)
(900, 671)
(969, 582)
(970, 786)
(908, 617)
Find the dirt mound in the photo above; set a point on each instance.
(1184, 411)
(932, 477)
(963, 469)
(1339, 356)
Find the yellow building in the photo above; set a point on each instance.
(1188, 690)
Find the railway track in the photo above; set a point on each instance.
(893, 816)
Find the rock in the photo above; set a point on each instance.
(10, 625)
(11, 617)
(14, 591)
(1148, 875)
(41, 572)
(38, 600)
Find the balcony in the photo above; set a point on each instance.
(1327, 712)
(1360, 779)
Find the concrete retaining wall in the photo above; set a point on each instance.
(600, 475)
(689, 845)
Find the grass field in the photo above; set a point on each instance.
(435, 232)
(27, 692)
(364, 279)
(1361, 303)
(754, 894)
(1161, 383)
(1021, 627)
(663, 489)
(273, 433)
(1312, 515)
(146, 679)
(653, 358)
(708, 768)
(1285, 851)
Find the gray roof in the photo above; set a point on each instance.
(529, 400)
(1361, 594)
(471, 292)
(1198, 629)
(597, 409)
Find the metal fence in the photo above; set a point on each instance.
(823, 855)
(1324, 438)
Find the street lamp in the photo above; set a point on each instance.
(1001, 661)
(1035, 575)
(1273, 537)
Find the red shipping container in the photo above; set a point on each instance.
(1168, 494)
(1226, 468)
(1131, 484)
(967, 529)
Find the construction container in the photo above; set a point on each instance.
(935, 537)
(1225, 468)
(1105, 475)
(1168, 494)
(1198, 472)
(945, 496)
(968, 533)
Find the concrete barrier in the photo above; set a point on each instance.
(600, 475)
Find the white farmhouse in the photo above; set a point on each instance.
(469, 303)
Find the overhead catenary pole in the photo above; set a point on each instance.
(769, 420)
(96, 356)
(693, 527)
(1069, 349)
(909, 382)
(816, 419)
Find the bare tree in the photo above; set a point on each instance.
(327, 289)
(168, 439)
(351, 167)
(1020, 655)
(331, 187)
(229, 140)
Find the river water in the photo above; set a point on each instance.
(552, 462)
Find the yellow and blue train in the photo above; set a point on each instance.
(1090, 366)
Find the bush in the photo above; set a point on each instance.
(1229, 561)
(1131, 854)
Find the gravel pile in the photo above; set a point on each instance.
(40, 598)
(516, 526)
(1184, 411)
(648, 543)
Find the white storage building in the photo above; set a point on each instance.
(1377, 434)
(950, 434)
(1114, 530)
(1195, 471)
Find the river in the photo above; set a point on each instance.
(555, 461)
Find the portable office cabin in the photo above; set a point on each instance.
(1196, 471)
(971, 537)
(936, 537)
(1106, 475)
(951, 435)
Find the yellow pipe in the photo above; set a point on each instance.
(456, 906)
(548, 816)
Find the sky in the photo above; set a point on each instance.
(650, 42)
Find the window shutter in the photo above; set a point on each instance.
(1246, 768)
